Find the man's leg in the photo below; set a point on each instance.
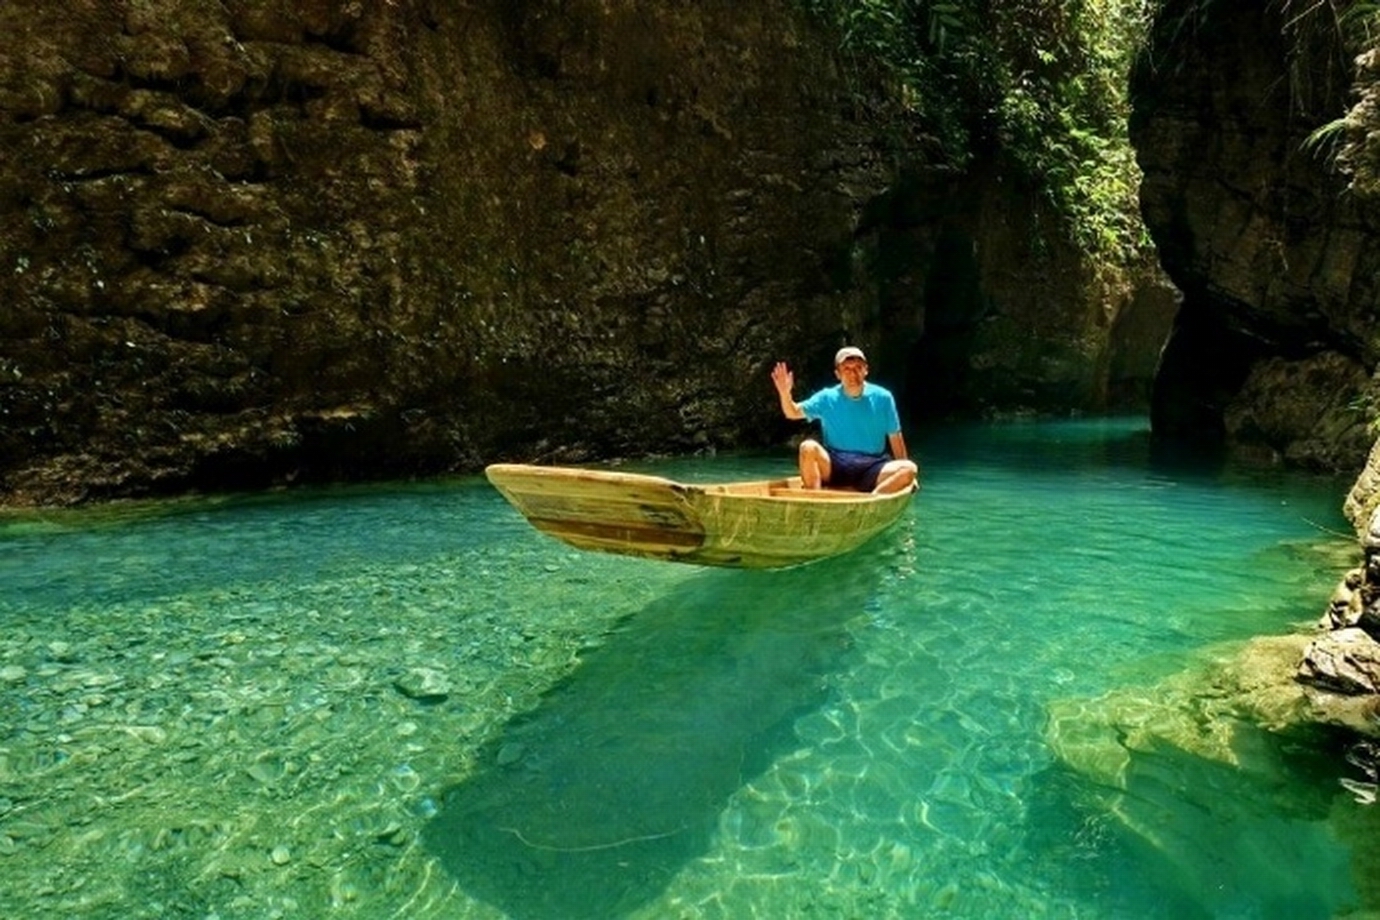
(814, 464)
(896, 476)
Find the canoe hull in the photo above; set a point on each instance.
(764, 524)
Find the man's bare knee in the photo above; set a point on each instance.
(897, 476)
(814, 464)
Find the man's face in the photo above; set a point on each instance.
(851, 373)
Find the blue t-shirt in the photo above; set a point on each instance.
(860, 424)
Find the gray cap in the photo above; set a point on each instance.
(849, 351)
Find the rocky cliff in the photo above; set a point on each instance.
(255, 242)
(1272, 247)
(1269, 227)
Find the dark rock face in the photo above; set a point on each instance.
(249, 241)
(1274, 346)
(1004, 316)
(258, 242)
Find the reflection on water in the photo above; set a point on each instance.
(587, 806)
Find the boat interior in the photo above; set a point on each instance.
(783, 488)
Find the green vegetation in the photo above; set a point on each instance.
(1043, 80)
(1358, 21)
(1356, 24)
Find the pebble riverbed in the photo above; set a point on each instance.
(231, 744)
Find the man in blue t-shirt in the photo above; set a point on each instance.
(859, 425)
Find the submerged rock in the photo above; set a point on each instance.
(1191, 768)
(1199, 711)
(425, 685)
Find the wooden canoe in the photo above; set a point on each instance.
(764, 524)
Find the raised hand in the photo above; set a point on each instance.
(782, 377)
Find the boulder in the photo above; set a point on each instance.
(1344, 660)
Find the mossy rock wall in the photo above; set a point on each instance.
(249, 243)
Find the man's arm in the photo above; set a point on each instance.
(897, 442)
(784, 381)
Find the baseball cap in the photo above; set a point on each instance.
(849, 351)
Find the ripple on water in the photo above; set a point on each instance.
(200, 713)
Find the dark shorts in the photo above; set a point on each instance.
(849, 470)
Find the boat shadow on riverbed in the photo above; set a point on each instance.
(589, 805)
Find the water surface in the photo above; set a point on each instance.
(402, 701)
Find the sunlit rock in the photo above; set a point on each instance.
(1347, 660)
(1345, 606)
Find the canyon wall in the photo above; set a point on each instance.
(251, 243)
(1260, 227)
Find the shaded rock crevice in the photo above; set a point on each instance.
(1271, 247)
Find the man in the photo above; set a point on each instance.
(860, 425)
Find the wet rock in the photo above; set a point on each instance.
(265, 772)
(1364, 756)
(1369, 620)
(1345, 606)
(392, 835)
(13, 674)
(425, 685)
(149, 734)
(1372, 540)
(1344, 660)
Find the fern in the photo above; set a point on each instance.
(1326, 140)
(944, 19)
(1362, 19)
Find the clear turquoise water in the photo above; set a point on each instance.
(1005, 707)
